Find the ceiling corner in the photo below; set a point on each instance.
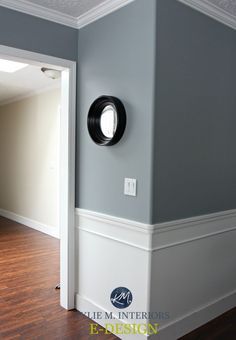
(212, 10)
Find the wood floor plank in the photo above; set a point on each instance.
(221, 328)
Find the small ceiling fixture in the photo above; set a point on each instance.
(51, 73)
(9, 66)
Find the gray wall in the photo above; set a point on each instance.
(180, 139)
(30, 33)
(195, 139)
(117, 57)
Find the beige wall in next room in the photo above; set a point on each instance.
(29, 157)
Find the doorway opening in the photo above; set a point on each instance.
(65, 176)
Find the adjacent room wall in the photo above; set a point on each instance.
(195, 163)
(29, 157)
(117, 57)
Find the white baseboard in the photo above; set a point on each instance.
(43, 228)
(196, 318)
(173, 330)
(84, 304)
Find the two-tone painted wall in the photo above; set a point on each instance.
(174, 69)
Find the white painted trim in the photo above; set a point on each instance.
(35, 58)
(100, 11)
(67, 187)
(108, 7)
(179, 327)
(85, 304)
(115, 235)
(67, 176)
(197, 317)
(40, 12)
(193, 239)
(131, 233)
(112, 238)
(213, 11)
(192, 221)
(156, 237)
(43, 228)
(30, 94)
(112, 220)
(90, 16)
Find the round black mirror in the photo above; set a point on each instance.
(106, 120)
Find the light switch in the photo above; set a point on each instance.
(130, 188)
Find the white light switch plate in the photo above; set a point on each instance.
(130, 187)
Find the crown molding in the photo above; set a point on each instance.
(108, 7)
(94, 14)
(212, 11)
(39, 11)
(100, 11)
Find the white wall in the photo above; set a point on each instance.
(29, 158)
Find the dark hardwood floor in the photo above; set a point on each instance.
(29, 304)
(221, 328)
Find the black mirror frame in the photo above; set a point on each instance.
(94, 117)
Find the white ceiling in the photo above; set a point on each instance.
(74, 8)
(227, 5)
(24, 83)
